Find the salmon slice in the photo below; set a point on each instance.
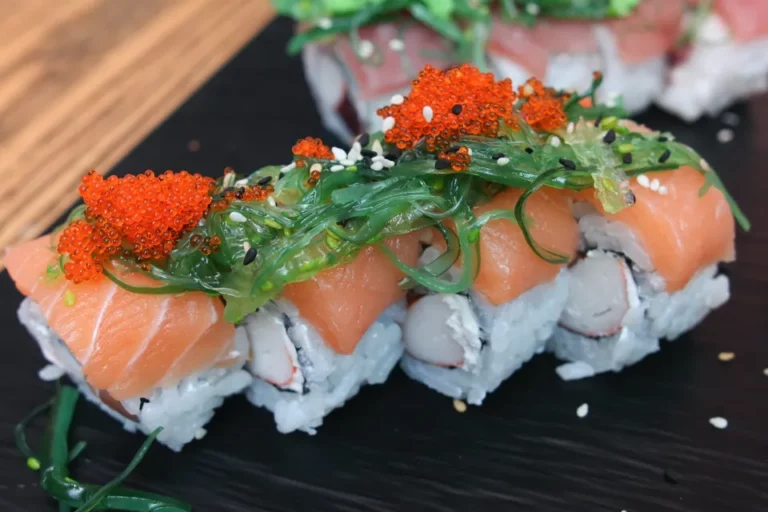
(127, 343)
(680, 231)
(508, 265)
(344, 301)
(746, 19)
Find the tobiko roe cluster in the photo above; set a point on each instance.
(543, 109)
(144, 216)
(311, 147)
(443, 105)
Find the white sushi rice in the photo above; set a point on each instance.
(718, 72)
(511, 334)
(653, 313)
(637, 84)
(328, 379)
(182, 410)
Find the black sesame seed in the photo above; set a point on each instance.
(391, 156)
(369, 153)
(610, 136)
(263, 181)
(395, 153)
(598, 120)
(453, 149)
(456, 109)
(568, 164)
(663, 139)
(669, 477)
(630, 198)
(442, 163)
(280, 175)
(367, 161)
(664, 156)
(142, 401)
(250, 256)
(496, 156)
(627, 158)
(364, 139)
(529, 150)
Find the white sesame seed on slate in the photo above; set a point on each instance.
(397, 99)
(663, 190)
(555, 141)
(200, 433)
(731, 119)
(502, 161)
(396, 45)
(377, 166)
(655, 184)
(338, 153)
(765, 372)
(460, 405)
(643, 181)
(237, 217)
(337, 168)
(725, 136)
(325, 23)
(718, 422)
(376, 146)
(271, 201)
(427, 113)
(50, 373)
(532, 9)
(387, 124)
(347, 162)
(365, 49)
(570, 127)
(582, 411)
(288, 167)
(388, 163)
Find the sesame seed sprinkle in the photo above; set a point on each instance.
(718, 422)
(496, 156)
(237, 217)
(396, 45)
(598, 120)
(456, 109)
(271, 201)
(369, 153)
(459, 405)
(582, 411)
(663, 190)
(288, 167)
(377, 143)
(347, 162)
(725, 136)
(568, 164)
(337, 168)
(529, 150)
(338, 153)
(397, 99)
(263, 181)
(325, 23)
(502, 161)
(555, 141)
(387, 124)
(627, 158)
(388, 163)
(428, 113)
(377, 166)
(364, 139)
(765, 372)
(365, 49)
(532, 9)
(609, 137)
(250, 256)
(726, 356)
(665, 156)
(570, 128)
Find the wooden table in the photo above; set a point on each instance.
(83, 81)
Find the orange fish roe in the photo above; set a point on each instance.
(459, 101)
(311, 147)
(144, 214)
(459, 158)
(543, 109)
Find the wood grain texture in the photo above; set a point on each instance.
(83, 81)
(399, 446)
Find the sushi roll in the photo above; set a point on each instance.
(724, 59)
(357, 59)
(650, 272)
(315, 346)
(464, 345)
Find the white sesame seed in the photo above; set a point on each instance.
(200, 433)
(704, 165)
(271, 201)
(387, 124)
(397, 99)
(237, 217)
(502, 161)
(528, 90)
(570, 128)
(316, 167)
(469, 151)
(324, 23)
(377, 166)
(655, 184)
(555, 141)
(726, 356)
(376, 146)
(725, 136)
(377, 158)
(388, 163)
(459, 405)
(582, 411)
(338, 153)
(396, 45)
(347, 162)
(246, 246)
(663, 190)
(288, 167)
(427, 113)
(337, 168)
(241, 183)
(643, 181)
(718, 422)
(765, 372)
(50, 373)
(532, 9)
(365, 49)
(731, 119)
(229, 179)
(356, 148)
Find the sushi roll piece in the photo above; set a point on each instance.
(630, 48)
(724, 60)
(465, 345)
(149, 361)
(324, 338)
(650, 271)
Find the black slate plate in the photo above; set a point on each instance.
(402, 447)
